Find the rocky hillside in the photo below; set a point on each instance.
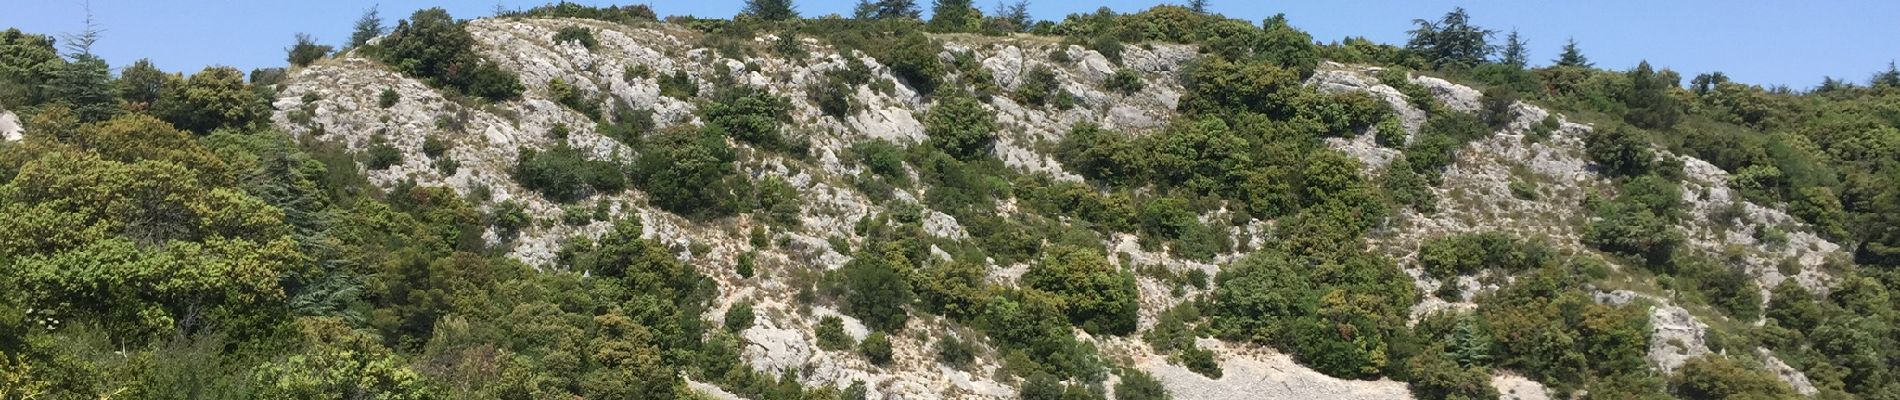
(337, 100)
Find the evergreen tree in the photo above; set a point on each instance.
(1198, 6)
(770, 10)
(955, 16)
(887, 9)
(1705, 83)
(1452, 41)
(85, 83)
(1888, 78)
(1572, 56)
(1514, 54)
(1012, 17)
(306, 50)
(1648, 99)
(369, 26)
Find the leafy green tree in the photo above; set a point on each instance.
(306, 50)
(961, 127)
(214, 98)
(875, 287)
(433, 47)
(957, 290)
(1619, 152)
(770, 10)
(338, 363)
(1099, 297)
(751, 115)
(1717, 377)
(689, 172)
(1572, 56)
(629, 364)
(141, 83)
(1451, 42)
(563, 174)
(27, 62)
(369, 26)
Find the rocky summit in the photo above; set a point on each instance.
(580, 202)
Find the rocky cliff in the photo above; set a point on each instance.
(337, 101)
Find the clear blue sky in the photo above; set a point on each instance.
(1755, 41)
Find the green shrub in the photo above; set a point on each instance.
(875, 287)
(1619, 152)
(1038, 86)
(912, 57)
(307, 51)
(1464, 254)
(576, 34)
(433, 47)
(1124, 81)
(690, 172)
(835, 95)
(751, 115)
(1099, 297)
(877, 348)
(747, 264)
(433, 146)
(1139, 385)
(564, 174)
(678, 85)
(739, 317)
(388, 98)
(955, 352)
(961, 127)
(574, 98)
(831, 335)
(382, 156)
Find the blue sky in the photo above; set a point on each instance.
(1755, 41)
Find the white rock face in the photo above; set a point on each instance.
(1252, 373)
(10, 128)
(1675, 338)
(1516, 387)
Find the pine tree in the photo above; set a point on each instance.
(1888, 78)
(1649, 102)
(306, 50)
(1514, 54)
(771, 10)
(1572, 56)
(1012, 17)
(367, 27)
(1198, 6)
(85, 84)
(1452, 41)
(1470, 345)
(887, 9)
(955, 16)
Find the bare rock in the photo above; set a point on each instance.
(10, 128)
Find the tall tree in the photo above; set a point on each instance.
(1011, 17)
(886, 9)
(770, 10)
(85, 84)
(955, 16)
(140, 83)
(1888, 78)
(1572, 56)
(1198, 6)
(1514, 54)
(1650, 105)
(1705, 83)
(369, 26)
(1452, 41)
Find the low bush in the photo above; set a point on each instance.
(576, 34)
